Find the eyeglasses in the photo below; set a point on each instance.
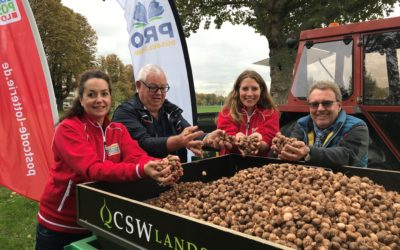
(154, 89)
(325, 104)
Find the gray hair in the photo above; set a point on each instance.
(146, 70)
(324, 85)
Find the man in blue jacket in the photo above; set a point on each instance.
(328, 136)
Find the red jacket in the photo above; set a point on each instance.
(82, 153)
(263, 121)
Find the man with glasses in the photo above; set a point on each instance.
(328, 136)
(156, 123)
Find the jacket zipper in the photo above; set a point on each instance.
(104, 143)
(248, 122)
(324, 144)
(333, 136)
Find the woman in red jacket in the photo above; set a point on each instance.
(249, 112)
(88, 147)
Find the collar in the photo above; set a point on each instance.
(167, 106)
(323, 131)
(244, 111)
(94, 123)
(307, 122)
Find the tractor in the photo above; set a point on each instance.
(363, 59)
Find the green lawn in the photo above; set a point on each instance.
(208, 108)
(17, 221)
(18, 214)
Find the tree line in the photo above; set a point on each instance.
(280, 21)
(70, 42)
(70, 46)
(209, 99)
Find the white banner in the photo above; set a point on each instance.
(154, 38)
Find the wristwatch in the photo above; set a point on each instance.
(307, 157)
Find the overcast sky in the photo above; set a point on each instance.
(217, 56)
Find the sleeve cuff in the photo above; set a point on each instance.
(140, 171)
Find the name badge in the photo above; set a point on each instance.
(113, 149)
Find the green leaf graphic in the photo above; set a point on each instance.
(105, 211)
(139, 25)
(155, 18)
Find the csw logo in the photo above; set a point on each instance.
(9, 12)
(118, 220)
(145, 29)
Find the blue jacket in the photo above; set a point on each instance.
(346, 146)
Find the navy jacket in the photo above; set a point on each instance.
(152, 134)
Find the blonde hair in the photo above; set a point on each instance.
(324, 85)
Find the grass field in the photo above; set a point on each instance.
(18, 214)
(17, 221)
(210, 108)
